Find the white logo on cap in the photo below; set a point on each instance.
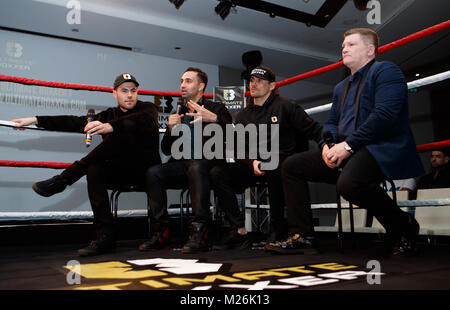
(259, 71)
(126, 76)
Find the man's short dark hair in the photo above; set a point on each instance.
(445, 151)
(201, 75)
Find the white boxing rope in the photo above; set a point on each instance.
(71, 215)
(318, 109)
(87, 215)
(413, 84)
(401, 203)
(429, 80)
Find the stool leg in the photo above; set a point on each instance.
(149, 222)
(339, 215)
(111, 201)
(181, 212)
(116, 203)
(352, 224)
(258, 227)
(394, 191)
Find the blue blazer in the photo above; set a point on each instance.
(382, 124)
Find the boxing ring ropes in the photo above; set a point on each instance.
(86, 214)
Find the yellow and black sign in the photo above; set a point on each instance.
(164, 273)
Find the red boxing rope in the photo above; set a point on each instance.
(382, 49)
(433, 146)
(35, 164)
(21, 80)
(43, 164)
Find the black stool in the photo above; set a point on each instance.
(352, 225)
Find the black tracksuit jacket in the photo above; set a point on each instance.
(295, 126)
(139, 126)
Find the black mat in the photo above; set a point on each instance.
(45, 267)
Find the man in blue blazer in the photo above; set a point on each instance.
(367, 139)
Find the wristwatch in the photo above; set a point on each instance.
(348, 148)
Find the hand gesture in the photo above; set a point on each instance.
(202, 114)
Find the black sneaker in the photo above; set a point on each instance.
(231, 241)
(295, 244)
(275, 236)
(406, 243)
(412, 228)
(158, 241)
(50, 187)
(104, 244)
(404, 247)
(198, 239)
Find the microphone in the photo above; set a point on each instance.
(90, 118)
(328, 138)
(180, 105)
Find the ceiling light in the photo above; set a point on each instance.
(223, 8)
(177, 3)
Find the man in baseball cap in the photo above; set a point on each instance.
(129, 146)
(124, 77)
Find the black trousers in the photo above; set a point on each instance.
(190, 174)
(112, 162)
(229, 179)
(358, 182)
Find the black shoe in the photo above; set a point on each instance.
(406, 243)
(276, 236)
(404, 247)
(295, 244)
(50, 187)
(198, 239)
(231, 241)
(412, 228)
(158, 241)
(104, 244)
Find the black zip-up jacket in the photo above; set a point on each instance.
(223, 118)
(140, 125)
(295, 126)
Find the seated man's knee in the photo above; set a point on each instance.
(292, 165)
(346, 187)
(153, 174)
(215, 173)
(196, 167)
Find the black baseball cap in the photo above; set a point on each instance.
(263, 72)
(124, 77)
